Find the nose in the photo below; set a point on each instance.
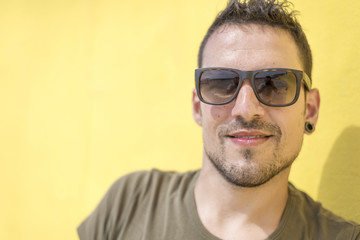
(246, 105)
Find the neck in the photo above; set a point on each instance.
(226, 209)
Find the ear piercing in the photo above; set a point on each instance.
(309, 128)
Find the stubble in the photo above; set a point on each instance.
(249, 170)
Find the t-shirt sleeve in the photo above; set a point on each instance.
(95, 226)
(108, 214)
(357, 232)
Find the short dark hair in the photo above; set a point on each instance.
(263, 12)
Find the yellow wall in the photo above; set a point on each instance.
(91, 90)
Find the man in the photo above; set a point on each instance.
(254, 101)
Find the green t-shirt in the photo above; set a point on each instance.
(160, 205)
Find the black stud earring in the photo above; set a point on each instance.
(309, 127)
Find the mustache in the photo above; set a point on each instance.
(254, 124)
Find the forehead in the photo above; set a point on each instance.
(250, 47)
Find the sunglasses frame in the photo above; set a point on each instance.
(300, 76)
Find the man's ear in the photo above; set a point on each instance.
(312, 106)
(196, 108)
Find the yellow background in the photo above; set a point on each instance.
(91, 90)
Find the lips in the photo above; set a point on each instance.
(249, 134)
(249, 138)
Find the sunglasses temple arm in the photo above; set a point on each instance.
(307, 81)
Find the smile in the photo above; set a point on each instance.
(246, 138)
(249, 137)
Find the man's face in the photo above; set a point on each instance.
(246, 141)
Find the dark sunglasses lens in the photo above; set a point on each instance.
(275, 87)
(218, 85)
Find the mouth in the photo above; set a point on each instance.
(249, 138)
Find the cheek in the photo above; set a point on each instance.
(221, 112)
(213, 117)
(217, 114)
(291, 125)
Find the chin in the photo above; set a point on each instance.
(250, 170)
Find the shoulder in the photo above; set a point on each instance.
(140, 183)
(134, 192)
(145, 184)
(320, 221)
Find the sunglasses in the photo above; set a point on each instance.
(275, 87)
